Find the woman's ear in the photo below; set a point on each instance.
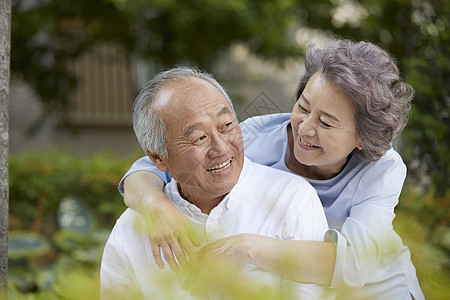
(157, 161)
(360, 146)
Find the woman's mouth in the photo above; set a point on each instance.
(220, 167)
(307, 144)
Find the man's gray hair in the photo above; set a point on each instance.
(149, 127)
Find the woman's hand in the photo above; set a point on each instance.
(169, 231)
(298, 260)
(235, 249)
(219, 263)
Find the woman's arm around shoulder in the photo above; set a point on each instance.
(168, 229)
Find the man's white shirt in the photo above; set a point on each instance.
(265, 201)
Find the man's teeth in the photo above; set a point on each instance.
(306, 143)
(221, 167)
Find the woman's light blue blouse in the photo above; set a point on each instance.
(359, 205)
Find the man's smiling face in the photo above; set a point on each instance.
(204, 140)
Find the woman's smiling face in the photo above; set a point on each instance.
(323, 130)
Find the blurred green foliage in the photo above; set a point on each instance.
(41, 252)
(64, 264)
(40, 180)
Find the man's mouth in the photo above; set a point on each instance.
(220, 167)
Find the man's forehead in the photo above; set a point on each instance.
(177, 90)
(191, 125)
(163, 98)
(190, 92)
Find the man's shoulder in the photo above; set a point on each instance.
(127, 215)
(281, 178)
(129, 221)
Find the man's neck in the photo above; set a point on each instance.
(203, 200)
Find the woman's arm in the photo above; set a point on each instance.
(301, 261)
(169, 230)
(297, 260)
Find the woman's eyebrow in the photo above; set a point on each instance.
(321, 111)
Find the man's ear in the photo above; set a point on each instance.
(157, 161)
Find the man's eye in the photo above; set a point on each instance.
(226, 126)
(203, 137)
(324, 124)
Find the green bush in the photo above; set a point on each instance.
(39, 180)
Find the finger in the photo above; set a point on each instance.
(192, 236)
(208, 252)
(156, 252)
(179, 254)
(189, 250)
(170, 259)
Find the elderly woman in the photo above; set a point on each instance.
(350, 105)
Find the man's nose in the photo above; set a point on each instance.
(219, 145)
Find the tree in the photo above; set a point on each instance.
(428, 70)
(5, 21)
(46, 34)
(197, 31)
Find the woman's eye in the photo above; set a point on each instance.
(324, 124)
(302, 108)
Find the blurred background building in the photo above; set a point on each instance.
(98, 115)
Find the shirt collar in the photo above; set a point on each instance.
(171, 190)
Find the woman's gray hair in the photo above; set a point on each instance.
(149, 127)
(371, 81)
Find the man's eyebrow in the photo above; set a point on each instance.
(191, 129)
(322, 112)
(225, 110)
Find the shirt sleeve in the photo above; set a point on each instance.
(307, 222)
(144, 164)
(117, 279)
(367, 233)
(264, 138)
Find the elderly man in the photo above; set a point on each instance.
(185, 122)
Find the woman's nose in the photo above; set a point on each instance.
(306, 127)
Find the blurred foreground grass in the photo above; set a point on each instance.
(69, 266)
(431, 260)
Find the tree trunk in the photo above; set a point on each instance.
(5, 46)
